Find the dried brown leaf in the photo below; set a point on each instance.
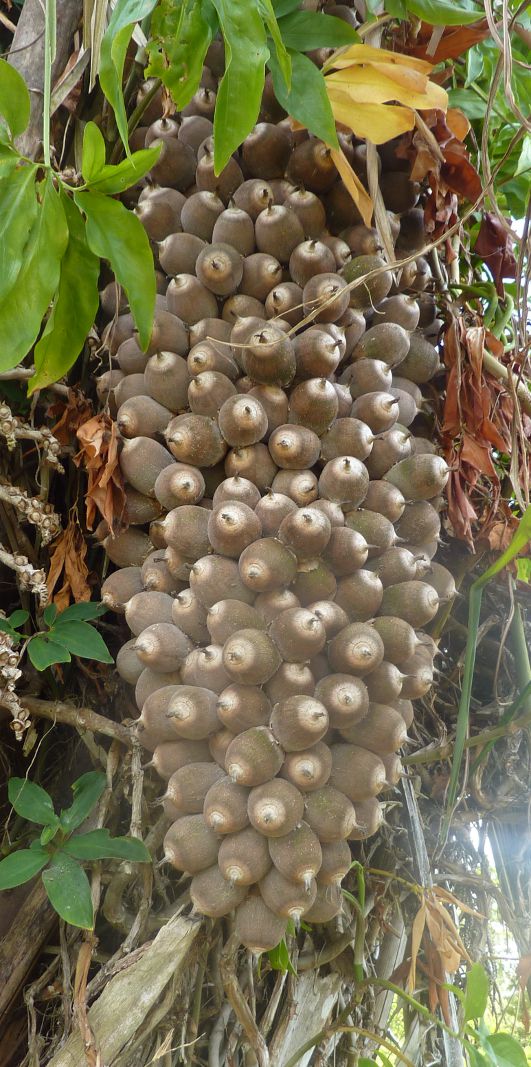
(99, 456)
(68, 559)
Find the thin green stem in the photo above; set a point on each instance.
(50, 38)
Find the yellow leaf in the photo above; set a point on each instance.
(457, 123)
(364, 53)
(373, 121)
(410, 79)
(417, 931)
(366, 85)
(445, 894)
(357, 191)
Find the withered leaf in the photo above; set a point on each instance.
(68, 560)
(99, 456)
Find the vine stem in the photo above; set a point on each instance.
(50, 41)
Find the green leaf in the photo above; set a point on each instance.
(474, 64)
(112, 56)
(181, 34)
(9, 160)
(21, 866)
(18, 210)
(81, 639)
(99, 845)
(305, 30)
(473, 106)
(18, 618)
(506, 1051)
(279, 958)
(14, 98)
(68, 890)
(445, 12)
(22, 311)
(114, 179)
(476, 993)
(115, 234)
(48, 834)
(65, 333)
(84, 611)
(93, 154)
(523, 569)
(240, 90)
(6, 628)
(43, 653)
(50, 614)
(308, 100)
(284, 7)
(31, 801)
(283, 57)
(363, 1062)
(396, 8)
(87, 791)
(524, 161)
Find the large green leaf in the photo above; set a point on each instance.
(181, 33)
(93, 152)
(31, 801)
(115, 234)
(81, 639)
(505, 1051)
(99, 845)
(84, 611)
(283, 7)
(308, 100)
(476, 993)
(14, 98)
(240, 91)
(44, 653)
(68, 890)
(22, 311)
(113, 52)
(282, 54)
(114, 179)
(445, 12)
(21, 866)
(18, 209)
(74, 308)
(305, 30)
(9, 160)
(87, 791)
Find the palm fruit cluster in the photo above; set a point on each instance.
(278, 568)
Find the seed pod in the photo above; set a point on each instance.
(178, 565)
(128, 549)
(269, 357)
(317, 353)
(422, 360)
(314, 581)
(207, 357)
(223, 184)
(393, 769)
(129, 386)
(285, 302)
(225, 807)
(266, 565)
(185, 529)
(383, 730)
(170, 756)
(257, 927)
(389, 448)
(370, 817)
(189, 845)
(357, 649)
(237, 488)
(178, 484)
(386, 342)
(385, 499)
(327, 904)
(345, 698)
(271, 510)
(278, 231)
(207, 393)
(419, 523)
(297, 855)
(368, 376)
(395, 565)
(349, 437)
(340, 249)
(285, 898)
(344, 480)
(337, 861)
(407, 408)
(309, 210)
(194, 129)
(192, 712)
(378, 531)
(157, 577)
(243, 857)
(360, 595)
(346, 551)
(356, 772)
(195, 439)
(308, 769)
(325, 297)
(401, 309)
(294, 447)
(219, 267)
(305, 531)
(218, 744)
(275, 808)
(311, 166)
(331, 615)
(231, 527)
(405, 708)
(167, 379)
(188, 787)
(384, 684)
(199, 214)
(254, 757)
(212, 895)
(235, 227)
(298, 635)
(442, 581)
(241, 707)
(120, 586)
(275, 404)
(416, 602)
(151, 681)
(175, 165)
(291, 679)
(178, 253)
(250, 657)
(314, 404)
(378, 410)
(228, 616)
(254, 463)
(418, 678)
(261, 273)
(204, 667)
(300, 486)
(242, 421)
(399, 638)
(146, 608)
(329, 813)
(374, 289)
(189, 299)
(298, 722)
(141, 461)
(310, 258)
(128, 665)
(214, 578)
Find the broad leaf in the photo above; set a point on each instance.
(112, 56)
(84, 611)
(22, 311)
(9, 160)
(18, 210)
(81, 639)
(50, 614)
(21, 866)
(31, 801)
(306, 30)
(115, 234)
(18, 618)
(282, 54)
(506, 1051)
(114, 179)
(6, 628)
(364, 1062)
(307, 100)
(280, 960)
(43, 653)
(473, 106)
(93, 154)
(68, 890)
(240, 90)
(476, 993)
(180, 38)
(99, 845)
(445, 12)
(524, 160)
(87, 791)
(65, 332)
(284, 7)
(14, 98)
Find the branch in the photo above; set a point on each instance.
(80, 718)
(29, 576)
(33, 510)
(238, 1003)
(14, 429)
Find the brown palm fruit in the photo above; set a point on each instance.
(368, 376)
(141, 416)
(314, 403)
(394, 769)
(298, 722)
(275, 808)
(241, 707)
(269, 356)
(207, 356)
(218, 744)
(378, 531)
(160, 217)
(178, 565)
(128, 549)
(252, 462)
(317, 353)
(128, 665)
(385, 499)
(294, 447)
(356, 772)
(300, 486)
(128, 386)
(234, 227)
(285, 302)
(374, 289)
(305, 531)
(254, 757)
(297, 855)
(113, 300)
(399, 638)
(325, 297)
(415, 601)
(342, 215)
(203, 667)
(116, 332)
(162, 647)
(178, 253)
(163, 128)
(189, 299)
(345, 698)
(291, 679)
(422, 360)
(236, 489)
(344, 480)
(188, 787)
(419, 477)
(186, 529)
(271, 510)
(191, 711)
(336, 863)
(388, 449)
(219, 267)
(347, 436)
(378, 410)
(346, 551)
(357, 649)
(327, 904)
(190, 845)
(231, 527)
(145, 608)
(175, 166)
(370, 817)
(228, 616)
(253, 196)
(195, 439)
(281, 188)
(223, 184)
(442, 581)
(272, 603)
(332, 511)
(360, 595)
(266, 565)
(120, 586)
(309, 768)
(285, 898)
(242, 420)
(418, 678)
(194, 129)
(251, 657)
(407, 408)
(199, 214)
(400, 309)
(208, 391)
(167, 379)
(329, 813)
(266, 151)
(427, 309)
(398, 191)
(311, 165)
(150, 682)
(241, 331)
(314, 581)
(170, 756)
(203, 103)
(169, 334)
(405, 708)
(212, 895)
(362, 240)
(309, 210)
(275, 404)
(298, 634)
(177, 484)
(309, 258)
(338, 247)
(225, 807)
(330, 615)
(154, 716)
(395, 565)
(419, 523)
(384, 684)
(257, 927)
(278, 231)
(383, 730)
